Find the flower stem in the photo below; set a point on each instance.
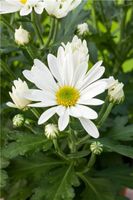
(7, 24)
(58, 150)
(35, 112)
(36, 27)
(102, 111)
(91, 161)
(51, 32)
(30, 52)
(7, 69)
(105, 115)
(82, 140)
(55, 30)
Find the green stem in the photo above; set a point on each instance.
(30, 52)
(5, 22)
(91, 161)
(58, 150)
(36, 27)
(55, 30)
(35, 112)
(72, 144)
(30, 128)
(51, 32)
(82, 140)
(7, 69)
(105, 115)
(102, 109)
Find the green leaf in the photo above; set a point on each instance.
(35, 165)
(120, 131)
(57, 185)
(25, 143)
(96, 188)
(123, 175)
(116, 147)
(3, 178)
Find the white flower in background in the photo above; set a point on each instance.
(96, 148)
(51, 131)
(66, 89)
(79, 50)
(60, 8)
(18, 90)
(22, 36)
(115, 90)
(83, 29)
(24, 6)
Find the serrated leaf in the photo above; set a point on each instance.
(117, 147)
(25, 143)
(96, 188)
(57, 185)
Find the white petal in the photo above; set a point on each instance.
(25, 10)
(63, 120)
(43, 104)
(92, 102)
(73, 111)
(39, 7)
(60, 110)
(90, 127)
(6, 7)
(93, 90)
(46, 115)
(86, 112)
(10, 104)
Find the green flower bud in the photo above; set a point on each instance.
(96, 148)
(51, 131)
(18, 120)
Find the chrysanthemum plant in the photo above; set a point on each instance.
(64, 136)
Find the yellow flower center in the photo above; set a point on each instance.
(23, 1)
(67, 96)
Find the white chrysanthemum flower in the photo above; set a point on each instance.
(22, 36)
(24, 6)
(83, 29)
(18, 90)
(79, 50)
(115, 90)
(96, 148)
(60, 8)
(51, 131)
(67, 89)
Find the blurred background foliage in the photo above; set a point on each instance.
(30, 167)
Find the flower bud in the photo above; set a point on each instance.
(22, 36)
(18, 120)
(96, 148)
(115, 91)
(18, 91)
(51, 131)
(83, 29)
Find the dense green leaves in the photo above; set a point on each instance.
(26, 143)
(57, 185)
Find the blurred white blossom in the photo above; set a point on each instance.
(24, 6)
(83, 29)
(22, 36)
(18, 91)
(60, 8)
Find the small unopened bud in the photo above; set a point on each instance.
(83, 29)
(18, 120)
(51, 131)
(96, 148)
(22, 36)
(115, 91)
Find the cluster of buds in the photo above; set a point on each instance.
(96, 148)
